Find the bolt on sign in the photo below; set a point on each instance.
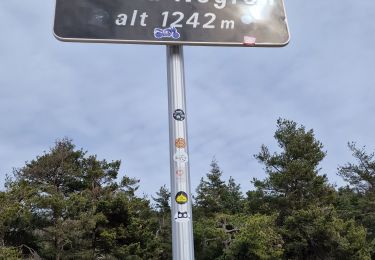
(188, 22)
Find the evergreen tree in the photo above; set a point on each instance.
(358, 200)
(211, 192)
(348, 203)
(209, 237)
(233, 199)
(303, 199)
(10, 253)
(68, 205)
(16, 219)
(164, 233)
(162, 200)
(257, 238)
(293, 181)
(215, 196)
(318, 233)
(237, 237)
(51, 178)
(360, 176)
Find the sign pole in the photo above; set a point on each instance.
(181, 203)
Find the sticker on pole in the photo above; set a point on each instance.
(181, 157)
(190, 22)
(182, 216)
(180, 143)
(180, 172)
(179, 115)
(181, 197)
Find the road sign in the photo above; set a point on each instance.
(175, 23)
(188, 22)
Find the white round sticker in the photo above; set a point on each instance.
(181, 156)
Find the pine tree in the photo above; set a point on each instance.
(68, 205)
(292, 178)
(162, 200)
(319, 233)
(237, 237)
(358, 199)
(212, 192)
(303, 199)
(51, 178)
(215, 196)
(360, 176)
(164, 233)
(233, 202)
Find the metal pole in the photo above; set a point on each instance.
(182, 222)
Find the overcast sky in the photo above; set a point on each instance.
(112, 99)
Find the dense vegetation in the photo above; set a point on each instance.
(66, 204)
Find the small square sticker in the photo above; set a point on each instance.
(249, 40)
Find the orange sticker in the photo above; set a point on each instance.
(180, 143)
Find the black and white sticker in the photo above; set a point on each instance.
(179, 115)
(182, 216)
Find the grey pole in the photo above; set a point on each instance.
(182, 222)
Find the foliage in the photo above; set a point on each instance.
(162, 200)
(233, 199)
(209, 237)
(303, 200)
(357, 200)
(164, 232)
(361, 176)
(237, 237)
(67, 204)
(215, 196)
(292, 181)
(10, 253)
(318, 233)
(257, 239)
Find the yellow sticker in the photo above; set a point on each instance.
(181, 197)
